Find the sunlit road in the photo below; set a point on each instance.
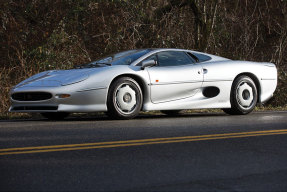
(194, 152)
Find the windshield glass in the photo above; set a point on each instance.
(121, 58)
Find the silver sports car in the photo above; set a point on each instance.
(169, 80)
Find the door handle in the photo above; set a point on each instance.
(205, 71)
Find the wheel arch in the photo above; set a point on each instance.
(256, 81)
(138, 79)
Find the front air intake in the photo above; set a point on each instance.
(35, 108)
(31, 96)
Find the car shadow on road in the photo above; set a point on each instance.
(102, 117)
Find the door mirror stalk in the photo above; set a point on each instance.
(148, 63)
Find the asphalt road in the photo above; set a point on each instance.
(194, 152)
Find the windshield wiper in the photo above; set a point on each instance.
(109, 64)
(91, 65)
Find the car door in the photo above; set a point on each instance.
(175, 77)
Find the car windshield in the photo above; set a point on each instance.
(121, 58)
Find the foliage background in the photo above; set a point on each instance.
(38, 35)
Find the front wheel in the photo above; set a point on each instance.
(243, 96)
(124, 99)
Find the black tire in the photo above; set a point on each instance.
(171, 112)
(243, 96)
(55, 115)
(124, 99)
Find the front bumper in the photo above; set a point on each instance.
(91, 100)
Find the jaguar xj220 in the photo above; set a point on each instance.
(169, 80)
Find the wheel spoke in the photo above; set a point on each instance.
(245, 95)
(126, 98)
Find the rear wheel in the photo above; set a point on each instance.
(55, 115)
(243, 96)
(124, 99)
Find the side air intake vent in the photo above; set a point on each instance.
(210, 92)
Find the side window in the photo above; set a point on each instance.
(202, 57)
(173, 58)
(152, 57)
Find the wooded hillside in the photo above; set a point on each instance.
(38, 35)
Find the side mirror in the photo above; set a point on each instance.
(148, 63)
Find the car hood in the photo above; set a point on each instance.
(56, 78)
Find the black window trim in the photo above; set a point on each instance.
(193, 56)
